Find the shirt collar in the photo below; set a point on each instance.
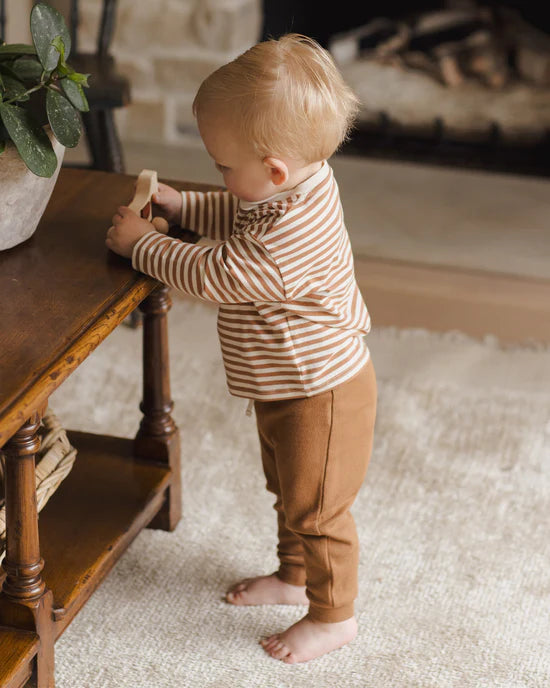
(303, 188)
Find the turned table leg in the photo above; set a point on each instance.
(158, 437)
(25, 602)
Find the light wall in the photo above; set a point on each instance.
(18, 13)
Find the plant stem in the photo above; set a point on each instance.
(28, 92)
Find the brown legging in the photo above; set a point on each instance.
(315, 453)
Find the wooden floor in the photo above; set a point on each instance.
(406, 294)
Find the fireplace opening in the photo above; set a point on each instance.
(461, 82)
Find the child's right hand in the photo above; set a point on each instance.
(168, 204)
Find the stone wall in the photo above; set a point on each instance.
(166, 48)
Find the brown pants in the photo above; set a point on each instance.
(315, 452)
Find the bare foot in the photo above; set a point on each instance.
(266, 590)
(308, 639)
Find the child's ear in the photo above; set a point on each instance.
(278, 170)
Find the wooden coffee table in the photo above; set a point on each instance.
(61, 294)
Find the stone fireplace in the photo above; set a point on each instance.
(463, 82)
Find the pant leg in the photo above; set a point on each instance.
(322, 446)
(289, 549)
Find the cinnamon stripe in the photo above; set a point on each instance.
(291, 319)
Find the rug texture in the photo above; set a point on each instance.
(452, 519)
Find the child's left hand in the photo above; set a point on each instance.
(127, 230)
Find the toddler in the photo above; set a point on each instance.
(291, 320)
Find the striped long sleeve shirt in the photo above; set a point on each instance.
(291, 319)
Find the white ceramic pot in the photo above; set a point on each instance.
(23, 195)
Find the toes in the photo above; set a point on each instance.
(269, 643)
(275, 647)
(280, 651)
(234, 597)
(238, 587)
(290, 659)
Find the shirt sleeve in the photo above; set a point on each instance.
(209, 213)
(238, 270)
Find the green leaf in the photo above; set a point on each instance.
(2, 147)
(10, 50)
(75, 93)
(78, 78)
(62, 69)
(63, 118)
(30, 139)
(27, 69)
(60, 47)
(14, 89)
(47, 24)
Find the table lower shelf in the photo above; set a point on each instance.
(98, 510)
(106, 500)
(17, 649)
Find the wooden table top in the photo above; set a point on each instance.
(62, 291)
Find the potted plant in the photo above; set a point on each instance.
(40, 100)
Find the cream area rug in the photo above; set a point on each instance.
(452, 517)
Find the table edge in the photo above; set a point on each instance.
(35, 395)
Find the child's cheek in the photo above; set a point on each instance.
(230, 183)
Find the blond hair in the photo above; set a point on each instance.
(285, 96)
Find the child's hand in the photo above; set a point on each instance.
(168, 204)
(127, 230)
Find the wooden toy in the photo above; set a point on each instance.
(146, 186)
